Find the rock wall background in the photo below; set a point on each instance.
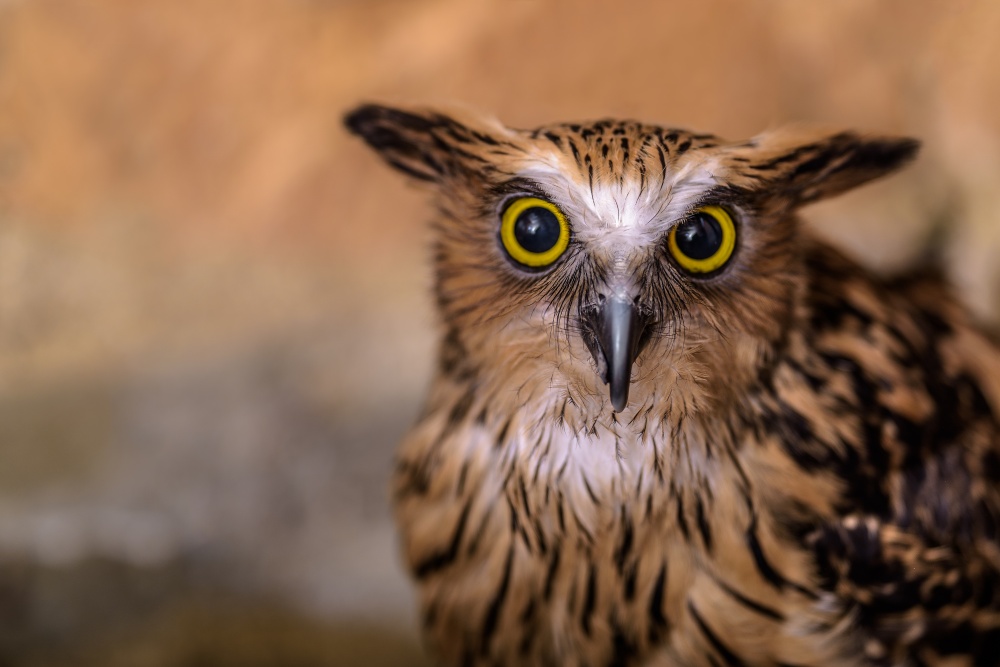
(214, 319)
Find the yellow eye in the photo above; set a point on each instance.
(534, 232)
(705, 241)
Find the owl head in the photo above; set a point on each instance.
(587, 263)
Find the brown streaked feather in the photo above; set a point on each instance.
(807, 471)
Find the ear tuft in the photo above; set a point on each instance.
(372, 121)
(883, 155)
(812, 170)
(402, 138)
(424, 144)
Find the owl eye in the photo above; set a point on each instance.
(534, 232)
(705, 241)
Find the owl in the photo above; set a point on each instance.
(669, 426)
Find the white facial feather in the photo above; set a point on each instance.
(621, 218)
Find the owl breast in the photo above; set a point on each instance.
(537, 544)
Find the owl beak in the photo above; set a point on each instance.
(619, 329)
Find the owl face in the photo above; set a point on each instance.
(622, 265)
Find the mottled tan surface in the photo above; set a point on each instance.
(213, 312)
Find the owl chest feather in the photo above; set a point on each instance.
(558, 546)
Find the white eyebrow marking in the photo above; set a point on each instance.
(618, 212)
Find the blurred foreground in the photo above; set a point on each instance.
(105, 614)
(214, 318)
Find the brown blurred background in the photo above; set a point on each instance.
(214, 319)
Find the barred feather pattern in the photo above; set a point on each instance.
(805, 474)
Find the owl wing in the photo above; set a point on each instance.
(916, 601)
(914, 556)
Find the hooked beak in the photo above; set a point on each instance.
(618, 328)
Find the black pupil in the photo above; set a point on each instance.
(700, 236)
(537, 229)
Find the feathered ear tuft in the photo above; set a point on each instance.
(807, 171)
(426, 145)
